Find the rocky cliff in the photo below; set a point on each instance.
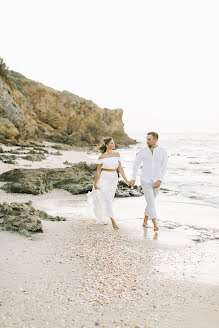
(32, 111)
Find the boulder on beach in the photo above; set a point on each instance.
(20, 217)
(26, 181)
(122, 193)
(123, 190)
(23, 218)
(77, 179)
(8, 159)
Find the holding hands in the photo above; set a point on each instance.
(128, 182)
(157, 184)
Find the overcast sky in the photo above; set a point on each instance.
(158, 60)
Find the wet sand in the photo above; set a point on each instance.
(82, 274)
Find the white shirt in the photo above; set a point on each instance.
(154, 164)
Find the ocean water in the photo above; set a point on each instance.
(193, 165)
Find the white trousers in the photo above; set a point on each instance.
(150, 194)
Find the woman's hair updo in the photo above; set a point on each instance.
(102, 145)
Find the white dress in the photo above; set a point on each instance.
(101, 199)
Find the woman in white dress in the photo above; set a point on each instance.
(106, 181)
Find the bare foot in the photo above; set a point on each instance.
(114, 224)
(145, 223)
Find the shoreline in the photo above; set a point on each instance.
(79, 273)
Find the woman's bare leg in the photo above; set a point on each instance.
(114, 224)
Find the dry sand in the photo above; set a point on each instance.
(82, 274)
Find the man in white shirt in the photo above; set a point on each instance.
(154, 167)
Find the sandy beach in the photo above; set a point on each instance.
(82, 274)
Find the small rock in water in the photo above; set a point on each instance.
(135, 193)
(121, 193)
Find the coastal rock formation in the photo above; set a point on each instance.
(35, 154)
(23, 218)
(19, 217)
(77, 179)
(32, 111)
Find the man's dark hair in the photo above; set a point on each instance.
(154, 134)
